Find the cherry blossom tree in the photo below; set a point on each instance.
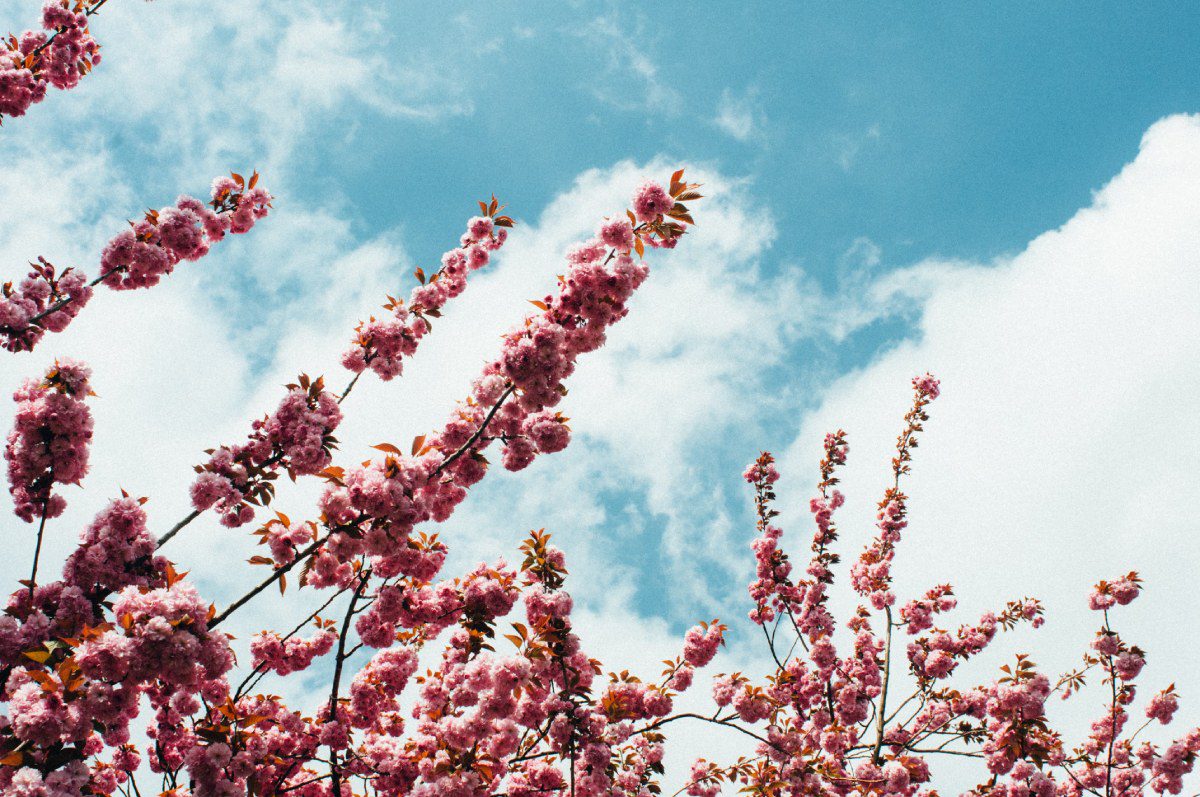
(118, 677)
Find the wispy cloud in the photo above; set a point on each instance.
(628, 78)
(740, 115)
(848, 146)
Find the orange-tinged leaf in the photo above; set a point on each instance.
(389, 448)
(539, 304)
(418, 443)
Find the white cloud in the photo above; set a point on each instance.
(1063, 449)
(206, 88)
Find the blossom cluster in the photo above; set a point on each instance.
(297, 439)
(371, 509)
(79, 656)
(382, 345)
(47, 301)
(37, 60)
(49, 441)
(142, 255)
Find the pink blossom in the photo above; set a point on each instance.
(651, 201)
(701, 643)
(48, 445)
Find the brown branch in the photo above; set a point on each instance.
(478, 432)
(164, 539)
(275, 576)
(887, 671)
(363, 578)
(37, 550)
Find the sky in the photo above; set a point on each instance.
(1005, 195)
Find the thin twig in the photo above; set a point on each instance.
(164, 539)
(478, 432)
(37, 550)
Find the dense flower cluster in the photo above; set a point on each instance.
(115, 551)
(297, 438)
(78, 656)
(373, 508)
(37, 60)
(142, 255)
(121, 628)
(48, 445)
(383, 344)
(46, 301)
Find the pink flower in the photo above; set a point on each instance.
(928, 385)
(479, 227)
(701, 643)
(651, 201)
(617, 234)
(1162, 706)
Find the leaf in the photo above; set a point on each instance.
(539, 304)
(417, 444)
(253, 180)
(39, 656)
(420, 274)
(283, 583)
(241, 181)
(389, 448)
(13, 759)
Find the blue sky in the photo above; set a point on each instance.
(957, 132)
(1008, 195)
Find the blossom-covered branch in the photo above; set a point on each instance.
(297, 438)
(48, 300)
(59, 57)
